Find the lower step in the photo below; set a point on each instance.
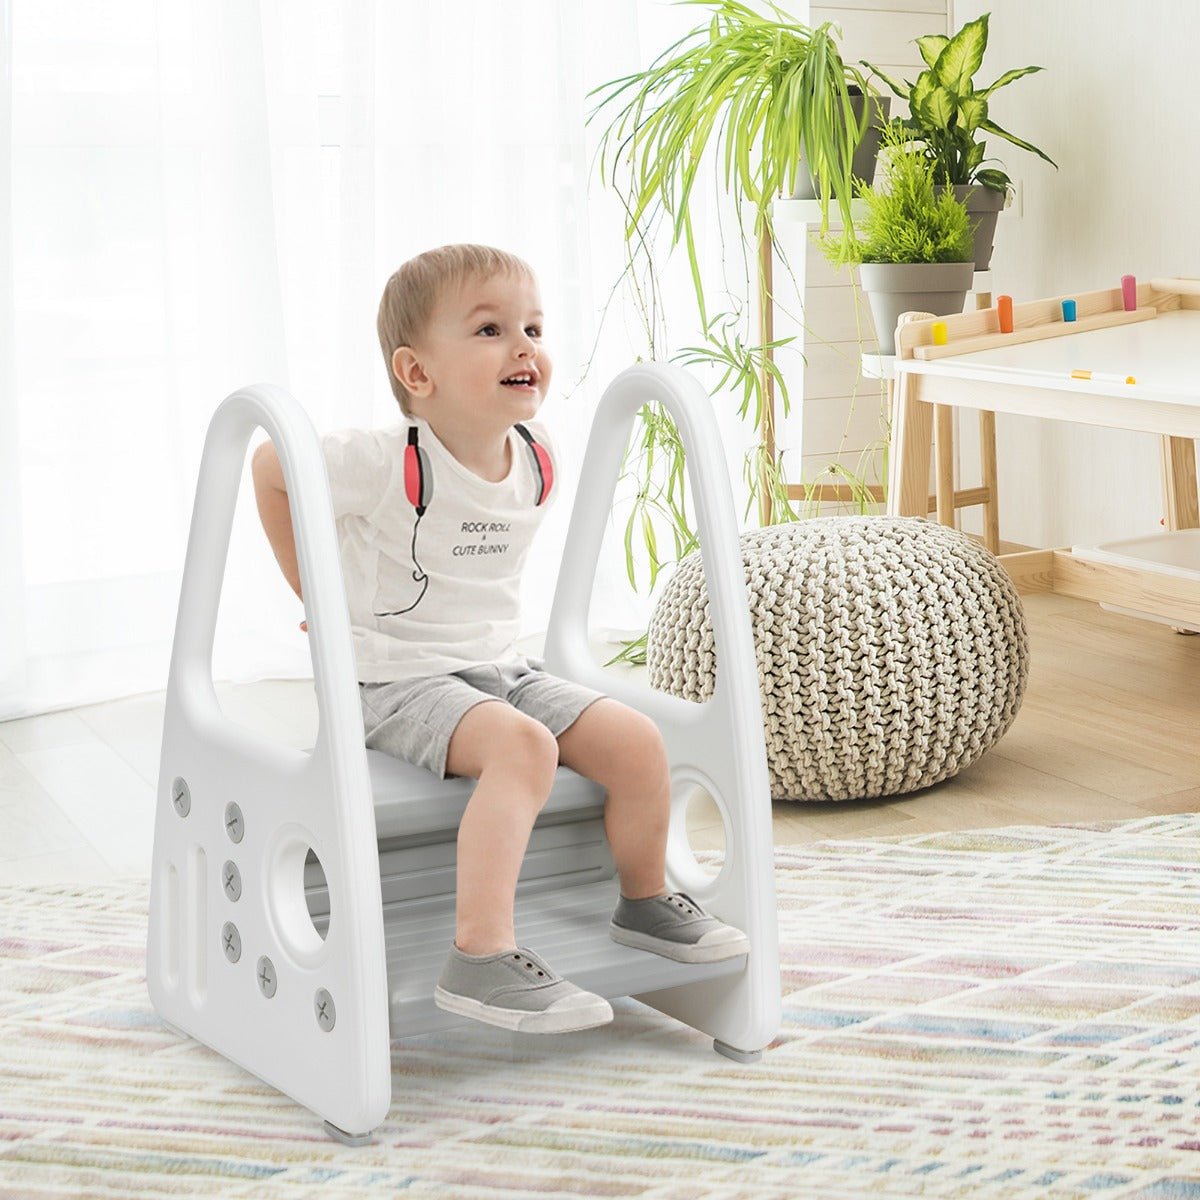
(567, 926)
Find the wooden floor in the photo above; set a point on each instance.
(1108, 731)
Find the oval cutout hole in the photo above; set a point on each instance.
(705, 826)
(316, 893)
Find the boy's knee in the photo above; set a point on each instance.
(496, 739)
(642, 749)
(528, 749)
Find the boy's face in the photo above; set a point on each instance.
(487, 331)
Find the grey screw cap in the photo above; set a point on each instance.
(235, 825)
(326, 1012)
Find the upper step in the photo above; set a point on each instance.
(410, 800)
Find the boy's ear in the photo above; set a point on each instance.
(409, 370)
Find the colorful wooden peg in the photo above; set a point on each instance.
(1129, 292)
(1004, 307)
(938, 330)
(1068, 307)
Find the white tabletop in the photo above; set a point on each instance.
(1163, 355)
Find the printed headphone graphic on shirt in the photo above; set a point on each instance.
(418, 487)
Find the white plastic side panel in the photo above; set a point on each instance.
(719, 744)
(289, 801)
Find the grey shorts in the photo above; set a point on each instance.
(413, 720)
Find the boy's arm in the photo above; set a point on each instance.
(271, 495)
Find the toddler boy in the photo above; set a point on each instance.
(435, 516)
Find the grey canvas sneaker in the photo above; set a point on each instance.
(675, 926)
(516, 989)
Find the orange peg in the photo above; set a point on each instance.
(1004, 307)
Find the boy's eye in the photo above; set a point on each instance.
(536, 330)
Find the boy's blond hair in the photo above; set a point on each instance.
(412, 293)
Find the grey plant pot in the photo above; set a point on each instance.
(895, 288)
(983, 207)
(863, 163)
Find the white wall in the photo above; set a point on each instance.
(1115, 109)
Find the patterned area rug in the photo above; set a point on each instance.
(1006, 1013)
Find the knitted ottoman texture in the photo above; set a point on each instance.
(892, 651)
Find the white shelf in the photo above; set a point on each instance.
(879, 366)
(808, 212)
(1175, 553)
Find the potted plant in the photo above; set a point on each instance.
(770, 86)
(870, 112)
(947, 112)
(749, 77)
(914, 243)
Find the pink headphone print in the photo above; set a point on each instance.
(418, 487)
(418, 479)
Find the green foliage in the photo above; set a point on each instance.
(755, 80)
(657, 462)
(909, 219)
(947, 112)
(765, 86)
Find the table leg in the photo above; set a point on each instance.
(908, 461)
(1179, 483)
(1179, 488)
(943, 441)
(987, 460)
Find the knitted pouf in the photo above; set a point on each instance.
(892, 651)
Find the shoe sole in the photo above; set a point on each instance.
(563, 1020)
(680, 951)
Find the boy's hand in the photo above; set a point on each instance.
(303, 626)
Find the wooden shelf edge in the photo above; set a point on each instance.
(1031, 570)
(1154, 592)
(1060, 571)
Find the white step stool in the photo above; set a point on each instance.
(302, 974)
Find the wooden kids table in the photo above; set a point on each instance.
(1029, 372)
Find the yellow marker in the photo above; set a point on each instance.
(939, 333)
(1100, 376)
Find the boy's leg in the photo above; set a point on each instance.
(514, 758)
(460, 725)
(446, 726)
(487, 976)
(622, 750)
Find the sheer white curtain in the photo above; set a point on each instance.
(12, 594)
(208, 193)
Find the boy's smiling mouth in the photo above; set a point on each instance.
(522, 380)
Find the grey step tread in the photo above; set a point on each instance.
(430, 935)
(410, 800)
(567, 926)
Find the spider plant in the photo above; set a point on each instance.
(774, 83)
(766, 86)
